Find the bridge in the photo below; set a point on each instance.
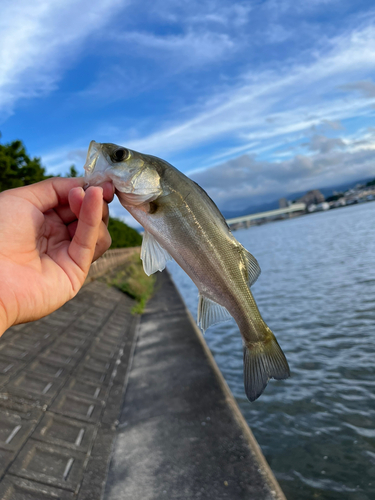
(261, 217)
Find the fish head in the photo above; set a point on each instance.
(133, 174)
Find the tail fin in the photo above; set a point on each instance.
(262, 361)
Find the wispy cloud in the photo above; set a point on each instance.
(190, 48)
(295, 97)
(40, 39)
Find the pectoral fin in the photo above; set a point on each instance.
(253, 269)
(153, 255)
(210, 313)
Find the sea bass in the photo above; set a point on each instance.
(182, 222)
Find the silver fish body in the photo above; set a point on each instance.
(182, 222)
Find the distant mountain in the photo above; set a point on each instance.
(272, 205)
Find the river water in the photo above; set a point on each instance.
(317, 294)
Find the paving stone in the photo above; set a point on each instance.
(105, 349)
(88, 373)
(55, 356)
(12, 351)
(34, 386)
(46, 367)
(86, 388)
(97, 362)
(73, 338)
(8, 367)
(49, 464)
(76, 331)
(67, 432)
(16, 488)
(14, 430)
(28, 341)
(66, 347)
(73, 405)
(113, 335)
(26, 411)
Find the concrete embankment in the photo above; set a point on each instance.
(66, 431)
(181, 434)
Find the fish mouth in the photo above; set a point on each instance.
(95, 166)
(92, 157)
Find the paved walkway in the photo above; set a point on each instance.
(178, 435)
(62, 381)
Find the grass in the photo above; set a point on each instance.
(132, 280)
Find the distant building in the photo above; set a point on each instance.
(313, 197)
(322, 206)
(283, 203)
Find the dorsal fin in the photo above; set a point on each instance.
(253, 269)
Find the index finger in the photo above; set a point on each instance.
(51, 192)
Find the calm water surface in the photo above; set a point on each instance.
(317, 293)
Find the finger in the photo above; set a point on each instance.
(51, 192)
(76, 196)
(82, 247)
(103, 243)
(105, 214)
(72, 224)
(108, 191)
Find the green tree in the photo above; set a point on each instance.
(123, 235)
(17, 168)
(73, 172)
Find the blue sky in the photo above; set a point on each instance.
(254, 100)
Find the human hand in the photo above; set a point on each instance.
(45, 252)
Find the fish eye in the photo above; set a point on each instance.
(120, 154)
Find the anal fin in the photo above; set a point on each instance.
(153, 255)
(210, 313)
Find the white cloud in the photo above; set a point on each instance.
(297, 97)
(41, 38)
(245, 181)
(190, 48)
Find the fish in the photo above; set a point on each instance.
(181, 222)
